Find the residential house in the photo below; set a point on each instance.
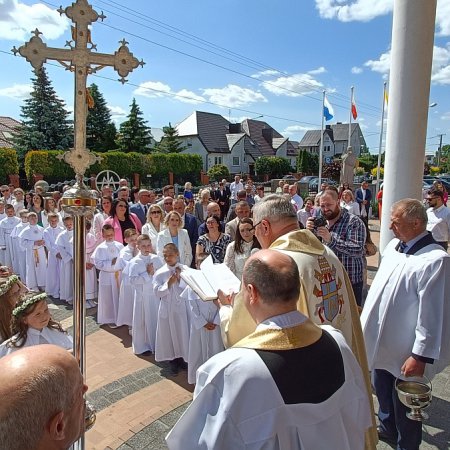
(335, 140)
(8, 126)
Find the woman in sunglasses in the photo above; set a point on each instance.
(121, 219)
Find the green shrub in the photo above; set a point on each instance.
(218, 172)
(9, 164)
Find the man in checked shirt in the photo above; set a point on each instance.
(345, 234)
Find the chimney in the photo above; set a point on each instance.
(234, 128)
(267, 134)
(327, 127)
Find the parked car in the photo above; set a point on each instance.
(307, 178)
(313, 184)
(289, 177)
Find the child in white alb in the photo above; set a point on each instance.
(6, 226)
(172, 331)
(64, 244)
(53, 263)
(126, 293)
(141, 269)
(91, 273)
(105, 257)
(32, 240)
(19, 261)
(33, 325)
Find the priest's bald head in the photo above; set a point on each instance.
(42, 404)
(274, 216)
(271, 284)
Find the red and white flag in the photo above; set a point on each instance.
(354, 112)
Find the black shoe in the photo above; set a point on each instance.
(173, 367)
(386, 437)
(182, 364)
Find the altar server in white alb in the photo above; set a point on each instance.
(406, 318)
(145, 311)
(52, 278)
(19, 261)
(64, 244)
(6, 226)
(205, 339)
(32, 241)
(105, 258)
(91, 273)
(172, 331)
(126, 292)
(289, 385)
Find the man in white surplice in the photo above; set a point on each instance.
(289, 385)
(406, 317)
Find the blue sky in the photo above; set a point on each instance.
(238, 58)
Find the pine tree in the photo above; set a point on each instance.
(135, 135)
(44, 119)
(100, 130)
(169, 142)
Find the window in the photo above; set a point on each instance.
(189, 142)
(217, 160)
(236, 161)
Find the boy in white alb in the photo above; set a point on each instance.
(53, 263)
(6, 226)
(172, 331)
(141, 269)
(91, 273)
(31, 239)
(17, 201)
(19, 261)
(126, 292)
(105, 258)
(64, 246)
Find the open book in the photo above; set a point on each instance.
(210, 278)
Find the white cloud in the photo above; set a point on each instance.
(117, 110)
(366, 10)
(381, 65)
(293, 86)
(357, 70)
(153, 89)
(317, 71)
(233, 96)
(296, 130)
(265, 73)
(446, 116)
(18, 19)
(16, 91)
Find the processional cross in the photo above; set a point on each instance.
(78, 201)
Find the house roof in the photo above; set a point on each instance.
(292, 148)
(254, 128)
(337, 132)
(8, 126)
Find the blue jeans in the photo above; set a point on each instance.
(392, 413)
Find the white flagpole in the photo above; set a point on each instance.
(321, 144)
(381, 139)
(349, 144)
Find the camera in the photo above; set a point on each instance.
(319, 222)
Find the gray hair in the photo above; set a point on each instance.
(274, 208)
(411, 209)
(32, 405)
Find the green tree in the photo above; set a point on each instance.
(100, 130)
(274, 166)
(367, 161)
(169, 142)
(307, 163)
(45, 123)
(218, 172)
(134, 133)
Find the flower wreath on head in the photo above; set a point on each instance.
(8, 284)
(31, 301)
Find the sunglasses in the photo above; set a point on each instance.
(155, 212)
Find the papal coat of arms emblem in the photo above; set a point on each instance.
(331, 298)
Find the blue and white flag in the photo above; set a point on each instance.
(328, 112)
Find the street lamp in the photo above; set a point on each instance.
(432, 105)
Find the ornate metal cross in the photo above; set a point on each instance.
(81, 59)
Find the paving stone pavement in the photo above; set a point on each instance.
(138, 401)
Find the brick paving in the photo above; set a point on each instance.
(138, 401)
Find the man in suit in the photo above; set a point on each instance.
(140, 208)
(190, 223)
(213, 209)
(363, 197)
(222, 197)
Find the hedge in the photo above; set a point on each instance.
(9, 164)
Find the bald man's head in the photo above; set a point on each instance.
(42, 405)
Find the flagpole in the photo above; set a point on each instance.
(381, 140)
(321, 144)
(349, 145)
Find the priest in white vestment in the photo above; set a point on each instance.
(289, 385)
(406, 317)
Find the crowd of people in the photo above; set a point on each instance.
(137, 246)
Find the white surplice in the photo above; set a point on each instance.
(237, 405)
(64, 245)
(145, 305)
(36, 337)
(52, 278)
(19, 262)
(91, 274)
(126, 293)
(172, 331)
(35, 259)
(203, 343)
(150, 230)
(108, 281)
(6, 227)
(407, 310)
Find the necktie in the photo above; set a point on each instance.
(402, 247)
